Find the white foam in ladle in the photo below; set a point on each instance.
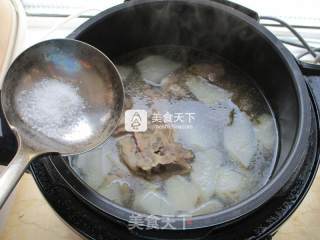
(59, 96)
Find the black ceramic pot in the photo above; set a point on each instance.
(217, 29)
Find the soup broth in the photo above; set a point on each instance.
(204, 137)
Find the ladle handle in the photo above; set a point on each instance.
(12, 174)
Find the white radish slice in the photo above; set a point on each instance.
(199, 138)
(239, 139)
(231, 185)
(265, 131)
(211, 206)
(205, 170)
(94, 166)
(181, 193)
(154, 69)
(153, 202)
(202, 135)
(206, 92)
(111, 153)
(117, 191)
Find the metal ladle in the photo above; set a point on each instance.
(75, 63)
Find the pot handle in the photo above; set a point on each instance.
(311, 74)
(309, 69)
(233, 5)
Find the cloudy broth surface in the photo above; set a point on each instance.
(211, 137)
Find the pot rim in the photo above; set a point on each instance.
(293, 161)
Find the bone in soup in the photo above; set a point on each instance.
(210, 141)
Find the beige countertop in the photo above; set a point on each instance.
(31, 218)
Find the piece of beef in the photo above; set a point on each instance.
(154, 153)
